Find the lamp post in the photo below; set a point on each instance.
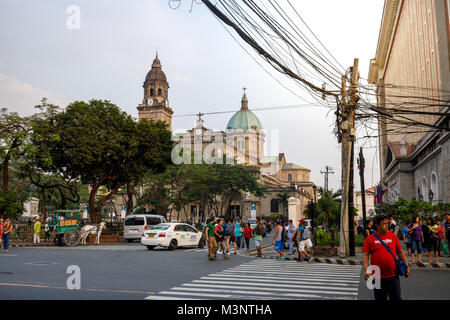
(430, 196)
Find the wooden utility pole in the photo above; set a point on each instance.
(348, 104)
(343, 123)
(361, 165)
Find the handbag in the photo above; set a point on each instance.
(402, 268)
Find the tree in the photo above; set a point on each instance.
(283, 197)
(328, 209)
(96, 143)
(14, 145)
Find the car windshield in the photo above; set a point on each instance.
(153, 220)
(160, 226)
(251, 221)
(134, 222)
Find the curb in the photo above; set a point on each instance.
(359, 262)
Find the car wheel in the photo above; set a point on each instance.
(173, 245)
(130, 240)
(201, 244)
(150, 247)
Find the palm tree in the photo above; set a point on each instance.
(329, 208)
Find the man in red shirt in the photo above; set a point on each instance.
(379, 256)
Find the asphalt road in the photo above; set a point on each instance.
(130, 271)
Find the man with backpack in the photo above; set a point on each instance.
(303, 234)
(259, 231)
(219, 235)
(228, 230)
(385, 251)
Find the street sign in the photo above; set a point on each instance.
(123, 212)
(253, 210)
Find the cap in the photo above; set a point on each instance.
(302, 220)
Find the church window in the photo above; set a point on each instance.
(151, 92)
(290, 177)
(274, 205)
(159, 92)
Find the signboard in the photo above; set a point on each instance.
(85, 212)
(253, 210)
(123, 212)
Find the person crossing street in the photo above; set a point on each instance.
(219, 234)
(259, 231)
(211, 239)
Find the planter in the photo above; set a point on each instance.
(325, 251)
(107, 238)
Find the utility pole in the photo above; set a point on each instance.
(347, 126)
(327, 171)
(361, 166)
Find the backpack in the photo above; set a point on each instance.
(306, 233)
(226, 230)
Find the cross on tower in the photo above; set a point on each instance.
(244, 88)
(200, 116)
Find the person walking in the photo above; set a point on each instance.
(368, 229)
(6, 234)
(259, 231)
(219, 234)
(407, 239)
(380, 256)
(302, 236)
(441, 235)
(227, 235)
(232, 237)
(415, 232)
(290, 236)
(278, 241)
(426, 245)
(1, 230)
(447, 230)
(211, 239)
(238, 234)
(46, 230)
(248, 234)
(36, 231)
(434, 240)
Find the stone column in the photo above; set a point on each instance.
(294, 213)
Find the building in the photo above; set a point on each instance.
(242, 142)
(411, 72)
(370, 205)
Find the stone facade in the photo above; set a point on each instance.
(412, 66)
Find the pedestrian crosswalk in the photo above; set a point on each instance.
(272, 280)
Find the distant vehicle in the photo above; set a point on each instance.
(172, 236)
(136, 224)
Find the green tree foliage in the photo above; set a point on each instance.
(328, 209)
(404, 211)
(97, 144)
(14, 145)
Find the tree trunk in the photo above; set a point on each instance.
(130, 199)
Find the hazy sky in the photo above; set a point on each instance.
(110, 54)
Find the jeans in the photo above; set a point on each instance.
(416, 245)
(247, 243)
(291, 247)
(389, 287)
(5, 238)
(238, 241)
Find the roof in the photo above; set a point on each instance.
(293, 166)
(244, 119)
(156, 72)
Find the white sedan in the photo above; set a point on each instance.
(172, 235)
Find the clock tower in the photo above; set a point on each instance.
(155, 105)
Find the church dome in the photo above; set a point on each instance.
(244, 118)
(156, 72)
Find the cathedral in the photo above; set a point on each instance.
(242, 142)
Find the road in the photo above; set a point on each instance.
(130, 271)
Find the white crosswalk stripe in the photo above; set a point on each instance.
(269, 279)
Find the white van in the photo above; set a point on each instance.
(135, 225)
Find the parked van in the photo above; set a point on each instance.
(135, 225)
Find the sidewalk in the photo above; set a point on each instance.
(269, 253)
(19, 244)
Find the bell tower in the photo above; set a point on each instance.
(155, 105)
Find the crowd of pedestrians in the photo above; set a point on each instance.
(382, 246)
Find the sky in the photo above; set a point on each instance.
(44, 53)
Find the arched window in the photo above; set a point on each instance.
(151, 92)
(290, 177)
(434, 187)
(159, 92)
(274, 206)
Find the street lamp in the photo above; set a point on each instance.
(430, 196)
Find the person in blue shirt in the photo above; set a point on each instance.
(407, 239)
(238, 234)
